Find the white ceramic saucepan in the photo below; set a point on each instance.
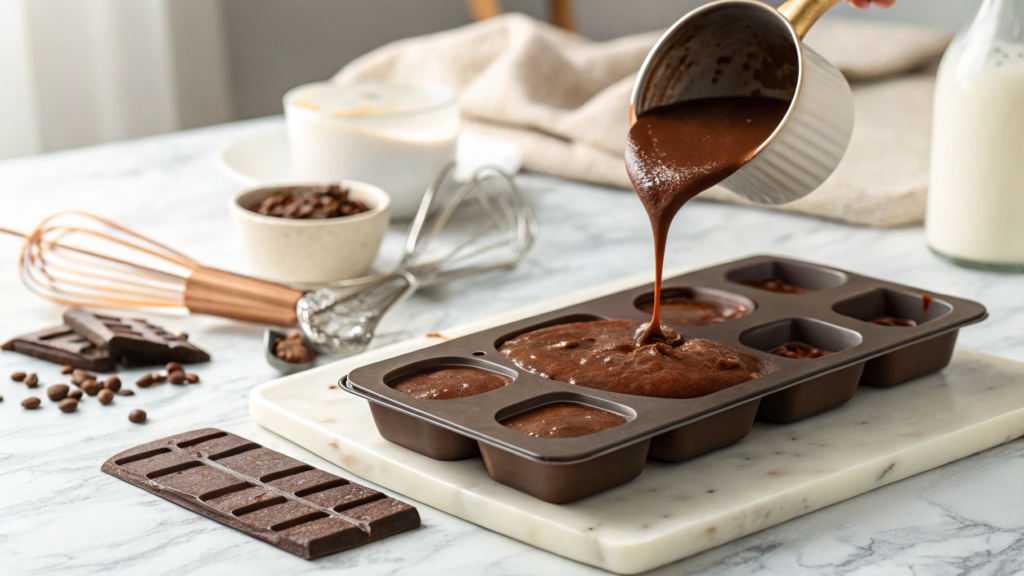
(748, 48)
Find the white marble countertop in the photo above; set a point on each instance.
(60, 514)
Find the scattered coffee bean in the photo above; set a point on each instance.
(67, 369)
(105, 396)
(58, 392)
(1, 398)
(126, 393)
(18, 376)
(145, 382)
(137, 416)
(79, 376)
(32, 380)
(192, 378)
(113, 384)
(91, 387)
(176, 377)
(183, 335)
(174, 367)
(76, 394)
(68, 405)
(158, 377)
(31, 402)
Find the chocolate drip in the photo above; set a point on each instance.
(677, 151)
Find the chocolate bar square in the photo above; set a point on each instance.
(133, 340)
(261, 492)
(63, 345)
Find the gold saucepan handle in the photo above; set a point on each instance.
(802, 14)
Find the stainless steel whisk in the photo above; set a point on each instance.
(463, 227)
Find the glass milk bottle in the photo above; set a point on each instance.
(975, 213)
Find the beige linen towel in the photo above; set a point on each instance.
(565, 101)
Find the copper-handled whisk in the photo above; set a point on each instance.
(80, 259)
(465, 225)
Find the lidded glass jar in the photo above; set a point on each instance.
(975, 213)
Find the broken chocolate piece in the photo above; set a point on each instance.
(263, 493)
(134, 339)
(63, 345)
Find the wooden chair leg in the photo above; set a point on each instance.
(562, 14)
(483, 9)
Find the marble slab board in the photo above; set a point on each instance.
(671, 511)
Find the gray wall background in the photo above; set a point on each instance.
(274, 45)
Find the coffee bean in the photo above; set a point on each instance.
(137, 416)
(113, 384)
(192, 378)
(105, 396)
(18, 376)
(91, 387)
(1, 398)
(68, 405)
(79, 376)
(158, 377)
(145, 382)
(126, 393)
(57, 392)
(31, 402)
(174, 367)
(32, 380)
(176, 377)
(76, 394)
(67, 369)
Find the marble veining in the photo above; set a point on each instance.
(61, 515)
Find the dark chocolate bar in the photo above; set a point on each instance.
(280, 500)
(63, 345)
(134, 341)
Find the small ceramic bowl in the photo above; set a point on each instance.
(310, 251)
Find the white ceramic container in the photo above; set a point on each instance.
(310, 251)
(396, 136)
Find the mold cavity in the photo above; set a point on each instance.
(887, 307)
(787, 277)
(800, 338)
(564, 420)
(449, 378)
(554, 322)
(696, 306)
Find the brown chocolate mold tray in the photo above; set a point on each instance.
(835, 317)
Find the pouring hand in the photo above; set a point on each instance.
(865, 4)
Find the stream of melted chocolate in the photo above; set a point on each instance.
(677, 151)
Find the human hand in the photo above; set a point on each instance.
(865, 4)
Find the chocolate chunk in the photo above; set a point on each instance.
(63, 346)
(133, 339)
(68, 405)
(137, 416)
(280, 500)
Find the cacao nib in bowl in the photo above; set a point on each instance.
(308, 242)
